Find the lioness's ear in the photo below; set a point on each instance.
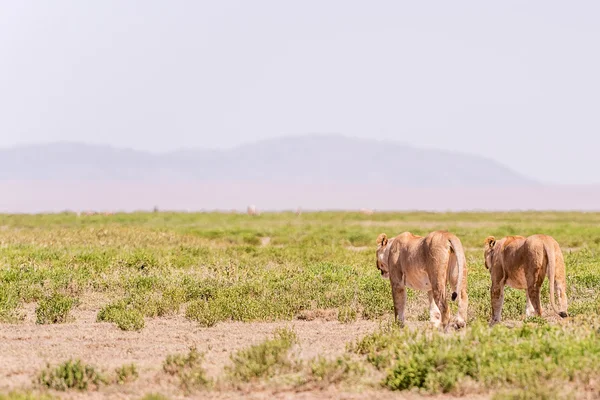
(382, 240)
(490, 241)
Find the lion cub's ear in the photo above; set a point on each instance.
(490, 241)
(382, 240)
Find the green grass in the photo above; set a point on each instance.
(215, 267)
(533, 354)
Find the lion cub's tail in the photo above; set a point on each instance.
(456, 246)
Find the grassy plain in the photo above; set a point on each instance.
(210, 269)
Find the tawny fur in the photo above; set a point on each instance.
(426, 264)
(523, 263)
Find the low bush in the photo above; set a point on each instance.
(71, 374)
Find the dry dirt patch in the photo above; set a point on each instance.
(26, 348)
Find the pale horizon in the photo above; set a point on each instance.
(515, 82)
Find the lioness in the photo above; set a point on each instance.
(522, 263)
(426, 264)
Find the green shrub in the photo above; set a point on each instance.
(70, 375)
(201, 311)
(126, 318)
(54, 309)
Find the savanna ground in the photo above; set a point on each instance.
(174, 305)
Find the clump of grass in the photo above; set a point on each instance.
(129, 312)
(325, 372)
(126, 318)
(154, 396)
(54, 309)
(347, 314)
(153, 303)
(264, 360)
(201, 312)
(491, 358)
(188, 368)
(71, 374)
(126, 373)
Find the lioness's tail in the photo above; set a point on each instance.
(456, 246)
(549, 249)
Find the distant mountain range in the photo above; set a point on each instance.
(324, 159)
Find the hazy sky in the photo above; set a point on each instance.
(517, 81)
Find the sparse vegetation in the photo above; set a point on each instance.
(325, 372)
(126, 373)
(535, 392)
(188, 368)
(265, 359)
(347, 314)
(71, 374)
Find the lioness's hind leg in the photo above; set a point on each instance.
(534, 284)
(497, 295)
(529, 310)
(435, 316)
(533, 294)
(463, 304)
(399, 297)
(562, 298)
(438, 287)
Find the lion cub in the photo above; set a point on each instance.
(523, 263)
(425, 264)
